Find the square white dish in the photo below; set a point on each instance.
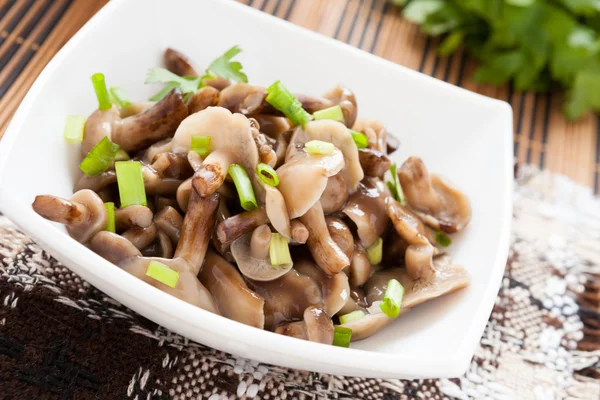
(461, 135)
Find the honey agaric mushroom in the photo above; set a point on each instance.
(172, 165)
(344, 97)
(169, 221)
(243, 98)
(373, 162)
(137, 131)
(341, 235)
(316, 326)
(231, 142)
(178, 63)
(335, 195)
(360, 267)
(141, 237)
(439, 204)
(206, 97)
(335, 288)
(84, 214)
(134, 216)
(299, 232)
(233, 227)
(161, 247)
(251, 254)
(272, 125)
(231, 294)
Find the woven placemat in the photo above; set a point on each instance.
(32, 31)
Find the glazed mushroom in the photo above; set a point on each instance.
(335, 195)
(272, 125)
(355, 302)
(178, 63)
(84, 214)
(360, 267)
(366, 208)
(141, 237)
(344, 97)
(286, 298)
(376, 134)
(231, 294)
(341, 235)
(112, 247)
(161, 202)
(251, 254)
(281, 146)
(420, 252)
(162, 247)
(137, 131)
(439, 204)
(233, 227)
(134, 216)
(299, 232)
(275, 207)
(335, 289)
(231, 142)
(243, 98)
(206, 97)
(316, 326)
(304, 177)
(169, 221)
(163, 146)
(336, 133)
(373, 162)
(323, 248)
(172, 165)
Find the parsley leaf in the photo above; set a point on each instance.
(537, 45)
(162, 75)
(223, 66)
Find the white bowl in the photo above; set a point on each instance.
(462, 135)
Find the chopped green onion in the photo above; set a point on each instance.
(319, 147)
(201, 145)
(243, 186)
(282, 99)
(74, 128)
(392, 300)
(395, 186)
(122, 155)
(101, 92)
(267, 174)
(162, 273)
(335, 113)
(279, 251)
(99, 158)
(353, 316)
(131, 183)
(110, 217)
(375, 252)
(442, 239)
(360, 139)
(342, 336)
(158, 96)
(119, 97)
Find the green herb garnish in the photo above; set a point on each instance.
(394, 186)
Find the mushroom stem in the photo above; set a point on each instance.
(211, 175)
(60, 210)
(95, 183)
(299, 231)
(260, 242)
(195, 232)
(156, 184)
(134, 216)
(169, 221)
(141, 237)
(172, 165)
(112, 247)
(373, 162)
(206, 97)
(323, 248)
(240, 224)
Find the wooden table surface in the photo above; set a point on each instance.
(32, 31)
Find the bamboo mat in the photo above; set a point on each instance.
(32, 31)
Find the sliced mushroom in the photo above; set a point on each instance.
(231, 142)
(360, 267)
(256, 265)
(133, 216)
(420, 252)
(335, 288)
(196, 230)
(243, 98)
(231, 294)
(344, 97)
(162, 247)
(440, 205)
(335, 195)
(178, 63)
(304, 177)
(169, 221)
(286, 298)
(84, 215)
(240, 224)
(336, 133)
(299, 232)
(323, 248)
(141, 237)
(172, 165)
(206, 97)
(341, 235)
(272, 125)
(137, 131)
(366, 208)
(316, 327)
(373, 162)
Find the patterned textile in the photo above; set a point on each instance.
(62, 339)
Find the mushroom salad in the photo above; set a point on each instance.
(277, 210)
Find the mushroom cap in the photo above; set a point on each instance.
(408, 226)
(98, 125)
(258, 269)
(275, 207)
(335, 288)
(95, 220)
(319, 327)
(178, 63)
(373, 162)
(243, 98)
(272, 125)
(341, 235)
(368, 325)
(293, 329)
(133, 216)
(443, 206)
(206, 97)
(336, 133)
(366, 208)
(304, 177)
(360, 267)
(231, 294)
(335, 194)
(112, 247)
